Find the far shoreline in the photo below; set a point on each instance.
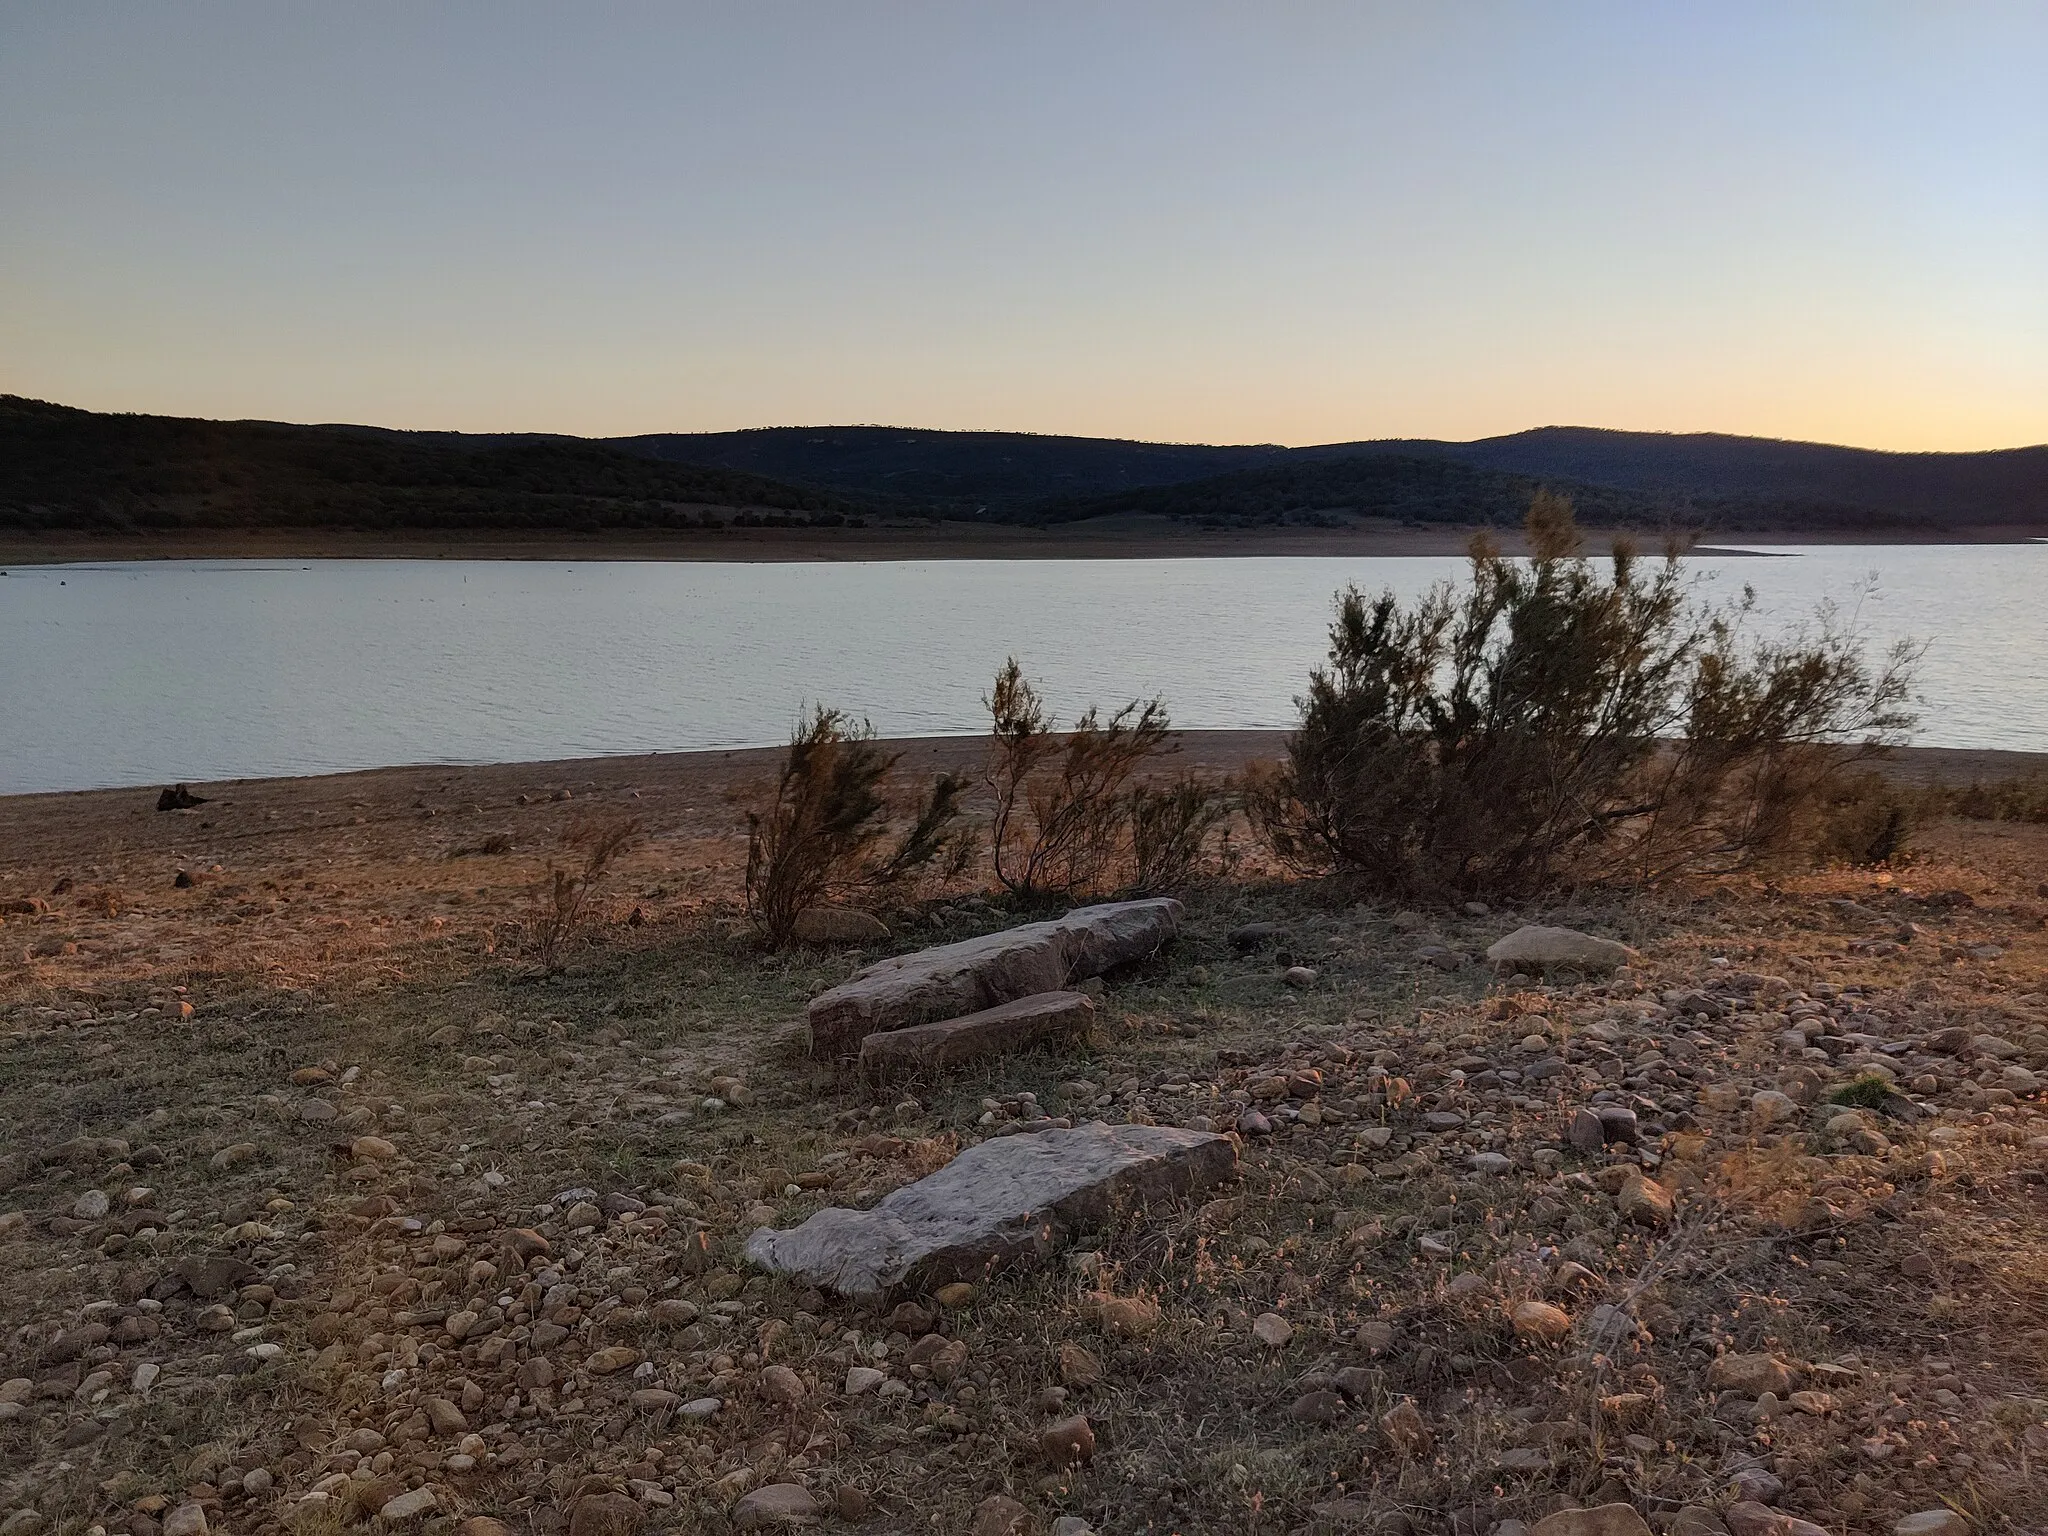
(1115, 540)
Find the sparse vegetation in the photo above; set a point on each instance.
(826, 835)
(1549, 726)
(562, 900)
(1071, 812)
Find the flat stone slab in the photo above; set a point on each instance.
(922, 1050)
(1545, 949)
(1009, 1200)
(979, 973)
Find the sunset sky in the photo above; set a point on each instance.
(1255, 222)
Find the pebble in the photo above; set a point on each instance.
(776, 1504)
(186, 1520)
(864, 1378)
(1932, 1522)
(91, 1205)
(1068, 1443)
(780, 1384)
(1539, 1322)
(409, 1506)
(1272, 1330)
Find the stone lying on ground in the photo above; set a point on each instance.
(979, 973)
(1008, 1200)
(897, 1054)
(1536, 948)
(838, 925)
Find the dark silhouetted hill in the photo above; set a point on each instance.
(65, 469)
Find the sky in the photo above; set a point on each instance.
(1260, 222)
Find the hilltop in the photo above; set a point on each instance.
(157, 483)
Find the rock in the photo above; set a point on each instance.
(1253, 936)
(445, 1417)
(612, 1358)
(895, 1055)
(838, 925)
(483, 1525)
(1323, 1408)
(852, 1503)
(91, 1205)
(1751, 1375)
(780, 1384)
(1072, 1525)
(978, 973)
(1932, 1522)
(1771, 1107)
(1539, 1322)
(1131, 1316)
(776, 1504)
(1536, 948)
(863, 1378)
(185, 1520)
(1272, 1330)
(1585, 1133)
(1749, 1518)
(1698, 1520)
(409, 1506)
(700, 1407)
(1404, 1426)
(372, 1149)
(1607, 1520)
(1069, 1443)
(1252, 1123)
(178, 797)
(605, 1514)
(653, 1400)
(1298, 976)
(1008, 1200)
(1644, 1201)
(999, 1515)
(1078, 1368)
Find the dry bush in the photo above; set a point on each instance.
(1868, 820)
(2019, 798)
(1547, 726)
(1071, 815)
(825, 836)
(562, 899)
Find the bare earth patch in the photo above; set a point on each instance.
(322, 1212)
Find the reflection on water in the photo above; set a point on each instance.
(144, 673)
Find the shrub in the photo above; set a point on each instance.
(563, 896)
(1546, 725)
(825, 836)
(1867, 820)
(1071, 814)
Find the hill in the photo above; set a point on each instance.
(1734, 482)
(67, 470)
(72, 470)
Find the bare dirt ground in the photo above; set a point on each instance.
(322, 1211)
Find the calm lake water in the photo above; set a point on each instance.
(146, 673)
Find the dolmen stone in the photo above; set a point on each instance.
(1006, 1201)
(923, 1050)
(1539, 949)
(978, 973)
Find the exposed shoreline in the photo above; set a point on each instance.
(1119, 539)
(718, 770)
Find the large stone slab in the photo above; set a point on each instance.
(895, 1055)
(979, 973)
(1009, 1200)
(1536, 948)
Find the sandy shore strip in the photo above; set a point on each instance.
(1110, 539)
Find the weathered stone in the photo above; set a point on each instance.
(186, 1520)
(838, 925)
(1404, 1426)
(1272, 1330)
(408, 1506)
(895, 1055)
(780, 1384)
(1932, 1522)
(1068, 1443)
(1608, 1520)
(1751, 1375)
(1007, 1200)
(1078, 1368)
(1644, 1201)
(1546, 949)
(605, 1514)
(979, 973)
(1322, 1408)
(776, 1504)
(1539, 1322)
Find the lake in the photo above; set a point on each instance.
(148, 672)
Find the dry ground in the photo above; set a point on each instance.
(282, 1146)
